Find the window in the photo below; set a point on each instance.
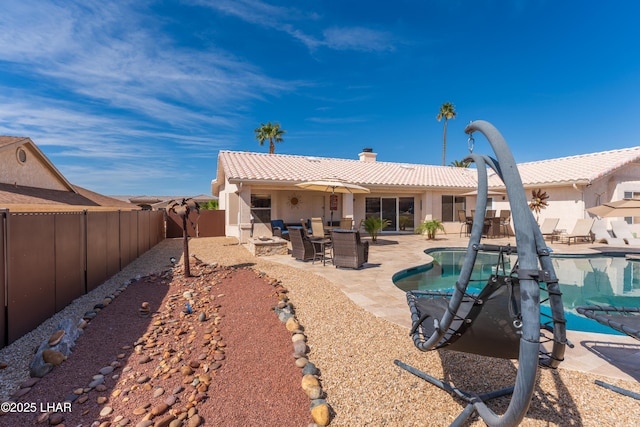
(261, 208)
(450, 206)
(631, 195)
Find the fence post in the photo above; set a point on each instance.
(4, 307)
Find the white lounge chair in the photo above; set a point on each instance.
(622, 230)
(548, 226)
(582, 230)
(602, 235)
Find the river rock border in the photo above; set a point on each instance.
(55, 350)
(321, 411)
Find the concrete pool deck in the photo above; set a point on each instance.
(371, 287)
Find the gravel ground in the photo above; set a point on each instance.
(355, 352)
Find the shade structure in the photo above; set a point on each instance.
(619, 208)
(333, 185)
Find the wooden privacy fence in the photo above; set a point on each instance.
(209, 223)
(49, 259)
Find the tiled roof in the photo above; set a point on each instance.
(282, 168)
(294, 169)
(582, 168)
(12, 196)
(9, 140)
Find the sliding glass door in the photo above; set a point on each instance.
(399, 211)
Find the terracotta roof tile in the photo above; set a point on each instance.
(293, 169)
(585, 167)
(283, 168)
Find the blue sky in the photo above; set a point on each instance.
(137, 97)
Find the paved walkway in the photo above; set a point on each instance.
(372, 288)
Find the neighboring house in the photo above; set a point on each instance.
(261, 187)
(160, 202)
(30, 182)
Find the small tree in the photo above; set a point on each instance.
(374, 225)
(211, 205)
(183, 209)
(431, 228)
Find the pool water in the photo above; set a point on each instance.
(584, 280)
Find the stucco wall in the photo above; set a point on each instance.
(30, 173)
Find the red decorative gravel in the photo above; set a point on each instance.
(256, 384)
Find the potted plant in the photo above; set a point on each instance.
(430, 228)
(374, 225)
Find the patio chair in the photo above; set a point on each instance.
(504, 319)
(317, 229)
(465, 222)
(348, 250)
(602, 235)
(548, 227)
(306, 225)
(279, 229)
(505, 222)
(622, 230)
(301, 246)
(582, 230)
(346, 223)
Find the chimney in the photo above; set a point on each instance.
(367, 155)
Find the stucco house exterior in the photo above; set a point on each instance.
(263, 187)
(30, 182)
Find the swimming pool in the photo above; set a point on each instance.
(608, 279)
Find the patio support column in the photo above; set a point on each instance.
(244, 207)
(347, 206)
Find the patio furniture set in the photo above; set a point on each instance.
(494, 225)
(312, 241)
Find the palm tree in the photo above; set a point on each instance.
(447, 111)
(460, 164)
(183, 209)
(271, 132)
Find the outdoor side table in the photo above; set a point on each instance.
(321, 250)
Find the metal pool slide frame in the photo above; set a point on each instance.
(533, 271)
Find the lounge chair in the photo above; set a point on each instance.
(348, 250)
(602, 235)
(548, 227)
(301, 246)
(622, 230)
(582, 230)
(623, 319)
(279, 229)
(504, 319)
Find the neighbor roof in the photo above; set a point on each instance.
(582, 169)
(22, 198)
(8, 142)
(292, 169)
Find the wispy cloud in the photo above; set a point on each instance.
(357, 38)
(337, 120)
(102, 80)
(285, 19)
